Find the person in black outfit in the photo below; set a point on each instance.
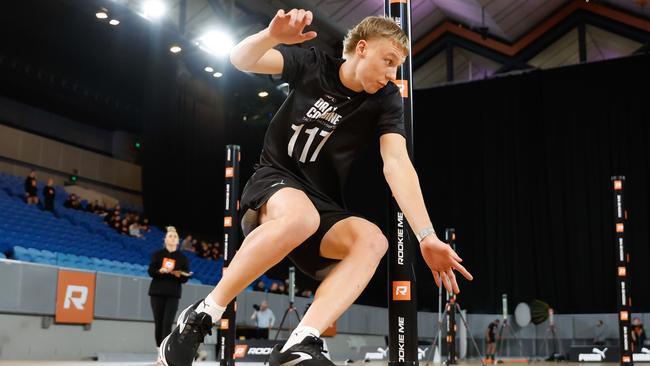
(31, 190)
(48, 196)
(638, 335)
(169, 268)
(294, 204)
(490, 337)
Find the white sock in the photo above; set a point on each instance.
(299, 334)
(212, 308)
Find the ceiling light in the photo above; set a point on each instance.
(208, 69)
(114, 22)
(217, 74)
(216, 43)
(263, 94)
(101, 15)
(154, 9)
(175, 49)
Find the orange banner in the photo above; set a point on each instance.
(75, 297)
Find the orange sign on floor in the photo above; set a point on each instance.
(75, 297)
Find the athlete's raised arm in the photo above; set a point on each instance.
(256, 53)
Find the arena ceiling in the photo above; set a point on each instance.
(62, 58)
(478, 37)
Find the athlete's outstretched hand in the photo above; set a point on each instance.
(287, 27)
(442, 260)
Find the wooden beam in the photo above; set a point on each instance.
(534, 34)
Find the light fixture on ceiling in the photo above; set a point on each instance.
(175, 49)
(154, 9)
(217, 74)
(101, 14)
(208, 69)
(215, 43)
(114, 22)
(263, 94)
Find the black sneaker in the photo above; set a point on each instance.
(309, 352)
(179, 347)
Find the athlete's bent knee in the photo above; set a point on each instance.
(374, 246)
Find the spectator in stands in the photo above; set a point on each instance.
(188, 243)
(260, 286)
(203, 249)
(92, 206)
(73, 202)
(169, 268)
(31, 189)
(124, 226)
(112, 215)
(307, 293)
(116, 224)
(98, 209)
(144, 225)
(214, 251)
(134, 230)
(274, 287)
(48, 196)
(638, 335)
(264, 320)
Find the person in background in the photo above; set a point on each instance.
(188, 243)
(490, 337)
(91, 206)
(599, 333)
(73, 202)
(31, 189)
(214, 251)
(134, 230)
(169, 269)
(264, 320)
(124, 226)
(48, 196)
(638, 335)
(144, 225)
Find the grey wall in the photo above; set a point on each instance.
(123, 316)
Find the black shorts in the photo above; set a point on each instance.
(258, 190)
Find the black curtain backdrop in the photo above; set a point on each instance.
(520, 165)
(183, 150)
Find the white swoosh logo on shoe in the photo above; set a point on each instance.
(301, 357)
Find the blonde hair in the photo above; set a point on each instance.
(375, 27)
(171, 229)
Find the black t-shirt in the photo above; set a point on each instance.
(30, 185)
(639, 333)
(491, 329)
(48, 193)
(166, 284)
(322, 126)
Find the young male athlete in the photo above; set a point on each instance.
(293, 205)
